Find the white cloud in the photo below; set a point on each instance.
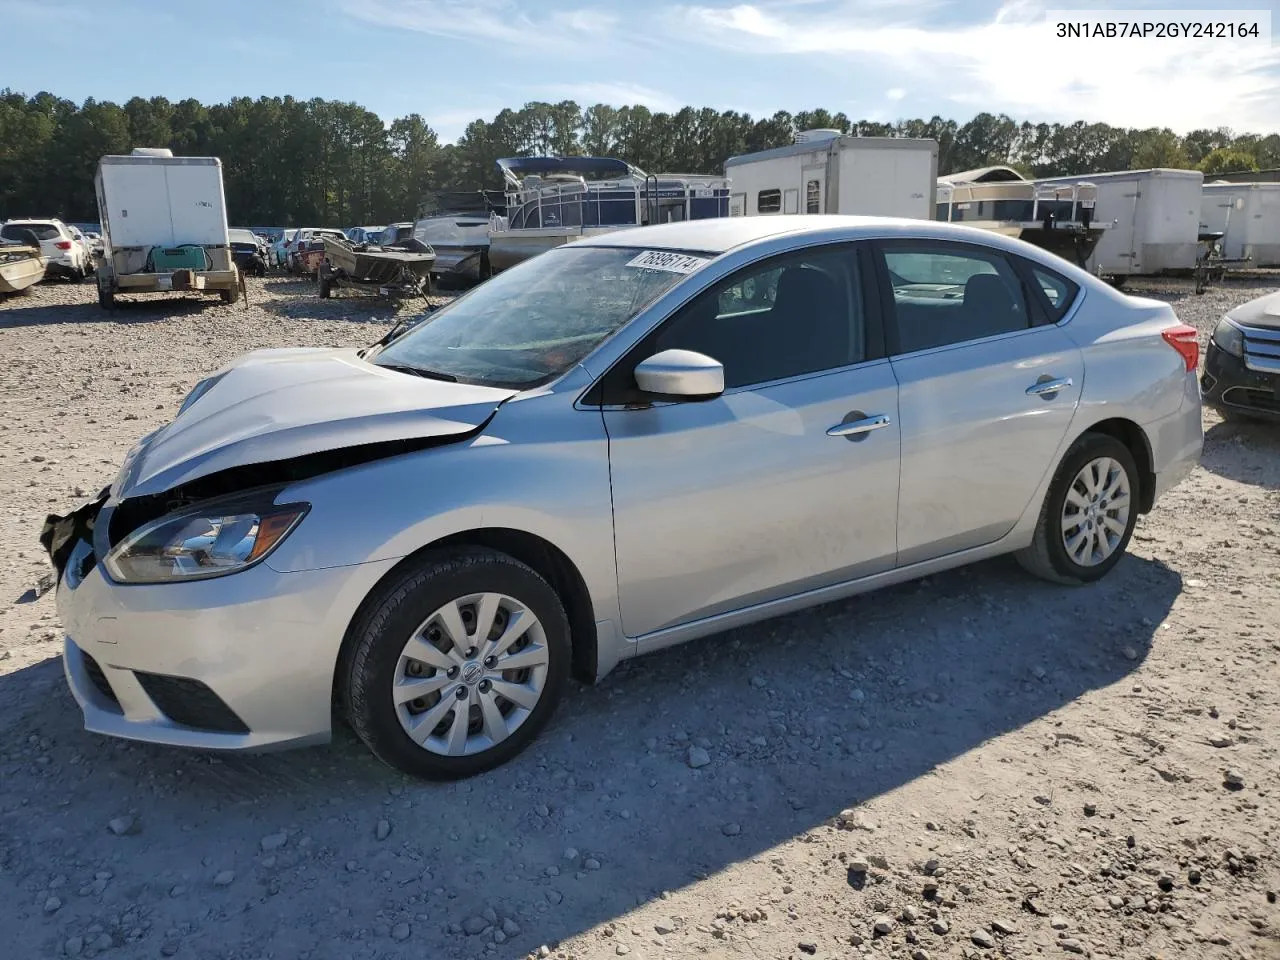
(614, 94)
(895, 93)
(1013, 62)
(500, 21)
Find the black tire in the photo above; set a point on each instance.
(486, 268)
(1047, 556)
(228, 296)
(380, 632)
(326, 287)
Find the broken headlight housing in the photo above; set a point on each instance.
(213, 539)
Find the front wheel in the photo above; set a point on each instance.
(457, 664)
(1088, 515)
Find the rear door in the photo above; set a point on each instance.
(988, 387)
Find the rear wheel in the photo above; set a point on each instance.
(457, 665)
(1088, 515)
(228, 296)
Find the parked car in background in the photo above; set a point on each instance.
(621, 444)
(295, 245)
(393, 235)
(68, 256)
(1242, 364)
(363, 234)
(246, 251)
(82, 238)
(95, 243)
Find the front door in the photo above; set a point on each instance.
(786, 482)
(986, 395)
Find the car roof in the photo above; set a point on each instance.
(50, 221)
(720, 235)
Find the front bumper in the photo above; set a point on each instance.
(1228, 385)
(243, 662)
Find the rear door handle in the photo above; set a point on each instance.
(1049, 386)
(856, 428)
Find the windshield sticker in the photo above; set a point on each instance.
(670, 262)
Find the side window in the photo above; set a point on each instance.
(785, 317)
(951, 293)
(1059, 292)
(769, 201)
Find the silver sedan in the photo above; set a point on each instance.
(622, 444)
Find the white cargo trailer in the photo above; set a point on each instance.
(1152, 220)
(164, 226)
(1248, 216)
(827, 172)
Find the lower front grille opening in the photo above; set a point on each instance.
(1208, 382)
(98, 678)
(190, 703)
(1252, 399)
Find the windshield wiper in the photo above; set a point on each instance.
(419, 372)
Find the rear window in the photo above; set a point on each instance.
(42, 231)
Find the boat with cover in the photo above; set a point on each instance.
(455, 224)
(553, 200)
(1056, 217)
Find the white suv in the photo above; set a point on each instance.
(67, 254)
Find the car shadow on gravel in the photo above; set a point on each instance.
(1245, 452)
(800, 718)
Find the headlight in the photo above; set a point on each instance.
(1229, 337)
(199, 390)
(197, 544)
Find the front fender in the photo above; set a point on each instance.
(541, 467)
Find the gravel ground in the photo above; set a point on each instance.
(973, 765)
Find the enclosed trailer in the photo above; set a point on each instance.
(1152, 220)
(1248, 217)
(164, 226)
(827, 172)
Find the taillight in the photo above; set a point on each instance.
(1185, 340)
(63, 244)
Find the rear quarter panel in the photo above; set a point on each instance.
(1131, 373)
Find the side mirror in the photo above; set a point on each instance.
(681, 374)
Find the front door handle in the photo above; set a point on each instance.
(1040, 388)
(856, 428)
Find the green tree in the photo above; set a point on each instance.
(1227, 160)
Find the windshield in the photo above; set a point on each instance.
(530, 324)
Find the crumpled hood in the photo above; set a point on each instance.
(1262, 312)
(278, 404)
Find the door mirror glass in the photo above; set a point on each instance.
(681, 373)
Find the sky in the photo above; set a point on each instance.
(453, 61)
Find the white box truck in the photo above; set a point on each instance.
(825, 171)
(1152, 220)
(1248, 217)
(164, 226)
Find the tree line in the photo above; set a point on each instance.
(292, 162)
